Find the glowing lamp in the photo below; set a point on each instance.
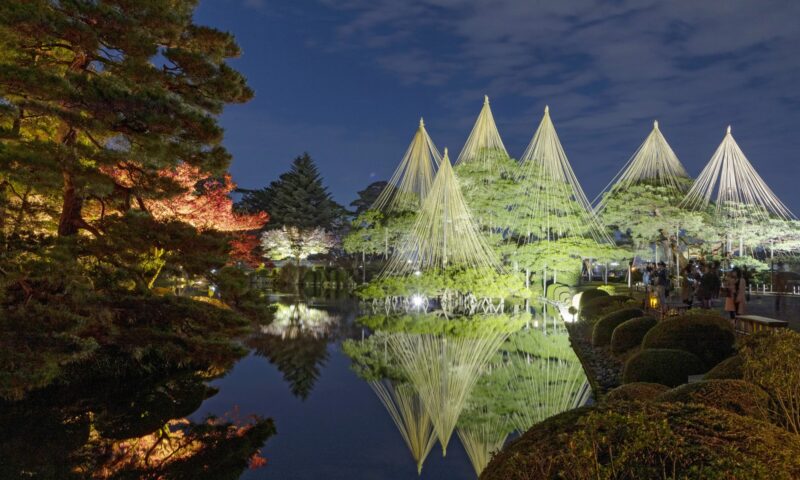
(653, 302)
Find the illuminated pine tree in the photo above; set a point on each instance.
(413, 177)
(444, 233)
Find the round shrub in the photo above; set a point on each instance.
(710, 337)
(589, 295)
(662, 365)
(630, 333)
(601, 335)
(730, 368)
(737, 396)
(636, 391)
(649, 440)
(597, 307)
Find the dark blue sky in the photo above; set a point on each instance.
(347, 80)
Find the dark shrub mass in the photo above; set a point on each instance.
(591, 294)
(730, 368)
(630, 333)
(771, 360)
(736, 396)
(634, 440)
(661, 365)
(710, 337)
(598, 307)
(636, 392)
(601, 335)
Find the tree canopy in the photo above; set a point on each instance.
(296, 199)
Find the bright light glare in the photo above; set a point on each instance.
(416, 301)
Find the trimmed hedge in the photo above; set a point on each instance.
(662, 365)
(604, 328)
(736, 396)
(597, 307)
(649, 440)
(630, 333)
(636, 391)
(589, 295)
(730, 368)
(559, 292)
(710, 337)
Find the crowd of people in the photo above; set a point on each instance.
(701, 282)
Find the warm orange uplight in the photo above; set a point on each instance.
(653, 301)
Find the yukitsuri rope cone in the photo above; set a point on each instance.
(742, 196)
(412, 180)
(443, 234)
(443, 370)
(482, 440)
(553, 204)
(405, 407)
(484, 139)
(655, 162)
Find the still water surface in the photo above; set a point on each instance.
(332, 424)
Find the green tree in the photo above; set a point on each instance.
(296, 199)
(89, 89)
(368, 196)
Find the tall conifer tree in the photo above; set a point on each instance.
(297, 199)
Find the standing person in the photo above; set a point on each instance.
(779, 286)
(662, 283)
(708, 286)
(646, 279)
(688, 285)
(735, 286)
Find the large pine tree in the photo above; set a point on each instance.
(90, 88)
(296, 199)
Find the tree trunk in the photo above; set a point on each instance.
(70, 220)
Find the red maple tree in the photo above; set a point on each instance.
(204, 203)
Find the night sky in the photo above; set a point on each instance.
(347, 80)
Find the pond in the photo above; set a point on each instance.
(354, 396)
(334, 423)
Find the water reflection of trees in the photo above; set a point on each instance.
(131, 428)
(296, 342)
(410, 416)
(484, 377)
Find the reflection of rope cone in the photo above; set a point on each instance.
(443, 372)
(410, 417)
(481, 441)
(550, 385)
